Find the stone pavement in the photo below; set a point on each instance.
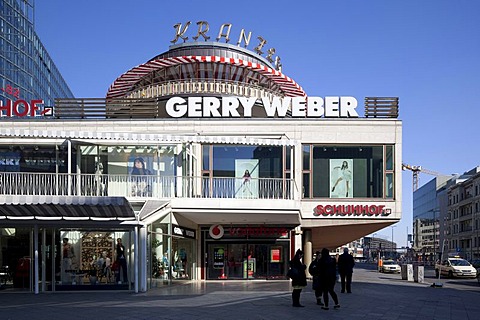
(375, 296)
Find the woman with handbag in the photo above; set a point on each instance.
(298, 276)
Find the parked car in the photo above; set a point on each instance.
(390, 266)
(455, 268)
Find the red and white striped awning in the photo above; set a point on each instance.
(123, 84)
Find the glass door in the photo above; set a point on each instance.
(242, 261)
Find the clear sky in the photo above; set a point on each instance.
(426, 52)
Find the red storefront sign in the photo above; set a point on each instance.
(257, 232)
(351, 210)
(23, 108)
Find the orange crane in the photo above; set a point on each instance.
(416, 171)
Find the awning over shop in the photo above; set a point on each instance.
(72, 208)
(126, 137)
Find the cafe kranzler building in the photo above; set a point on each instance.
(206, 162)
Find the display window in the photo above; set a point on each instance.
(239, 171)
(242, 260)
(348, 171)
(15, 259)
(171, 251)
(95, 258)
(246, 252)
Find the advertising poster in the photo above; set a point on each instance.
(341, 178)
(246, 183)
(142, 176)
(218, 258)
(276, 254)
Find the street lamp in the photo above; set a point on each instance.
(392, 240)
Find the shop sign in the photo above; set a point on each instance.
(241, 107)
(351, 210)
(224, 32)
(216, 231)
(184, 232)
(258, 232)
(22, 108)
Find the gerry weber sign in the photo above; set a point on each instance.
(236, 107)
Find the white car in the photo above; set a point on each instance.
(456, 268)
(390, 266)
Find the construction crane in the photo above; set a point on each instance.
(416, 171)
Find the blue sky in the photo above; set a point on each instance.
(426, 52)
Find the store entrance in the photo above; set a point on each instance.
(242, 261)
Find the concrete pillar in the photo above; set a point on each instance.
(307, 250)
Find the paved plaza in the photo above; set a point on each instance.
(375, 296)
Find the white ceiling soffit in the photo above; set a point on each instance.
(143, 138)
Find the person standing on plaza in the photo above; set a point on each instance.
(122, 261)
(298, 276)
(328, 269)
(345, 268)
(314, 271)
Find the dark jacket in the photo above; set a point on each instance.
(314, 270)
(300, 278)
(328, 270)
(345, 263)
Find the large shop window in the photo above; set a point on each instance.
(348, 172)
(245, 171)
(172, 257)
(95, 258)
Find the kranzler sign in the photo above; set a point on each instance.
(241, 107)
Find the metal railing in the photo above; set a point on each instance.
(381, 107)
(144, 103)
(61, 184)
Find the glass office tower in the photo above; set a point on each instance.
(26, 70)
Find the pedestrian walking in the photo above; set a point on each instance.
(314, 271)
(298, 276)
(328, 269)
(345, 268)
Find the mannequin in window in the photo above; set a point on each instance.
(104, 267)
(68, 255)
(122, 261)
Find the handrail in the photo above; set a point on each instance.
(144, 103)
(132, 186)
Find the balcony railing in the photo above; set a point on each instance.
(51, 184)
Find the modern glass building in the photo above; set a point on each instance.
(206, 161)
(26, 70)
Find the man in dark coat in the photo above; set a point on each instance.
(328, 275)
(345, 269)
(298, 276)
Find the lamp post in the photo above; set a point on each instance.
(392, 241)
